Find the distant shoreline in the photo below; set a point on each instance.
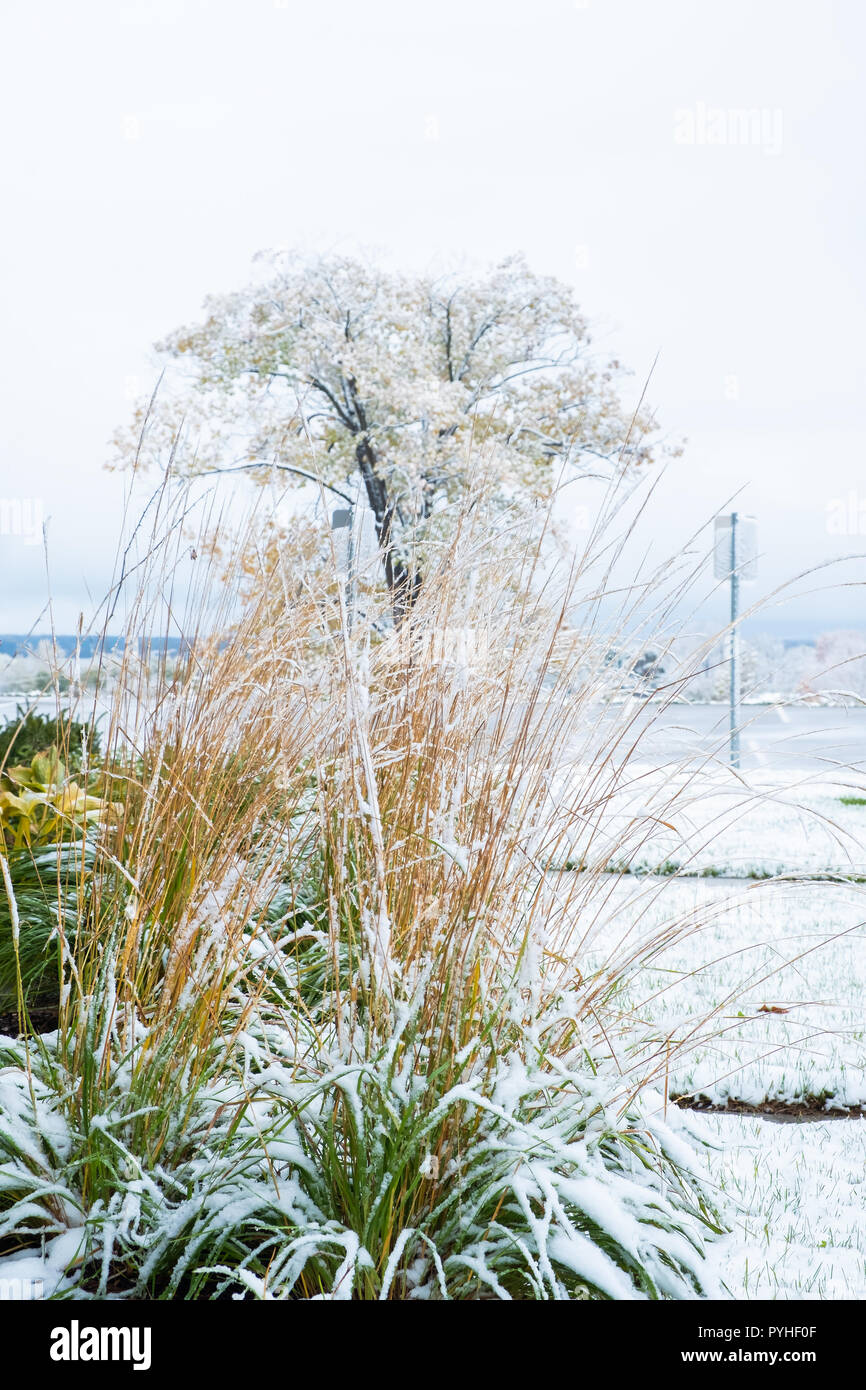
(19, 644)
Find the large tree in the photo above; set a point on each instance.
(337, 368)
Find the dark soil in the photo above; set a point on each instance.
(42, 1020)
(783, 1112)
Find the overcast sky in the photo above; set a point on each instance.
(151, 148)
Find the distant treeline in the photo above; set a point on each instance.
(34, 644)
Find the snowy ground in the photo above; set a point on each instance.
(775, 827)
(783, 963)
(797, 1196)
(751, 950)
(713, 822)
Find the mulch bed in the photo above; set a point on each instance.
(811, 1108)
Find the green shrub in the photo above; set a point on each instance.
(44, 885)
(28, 733)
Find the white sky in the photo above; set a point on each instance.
(151, 148)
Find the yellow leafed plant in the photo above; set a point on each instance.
(41, 805)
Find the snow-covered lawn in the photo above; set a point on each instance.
(797, 1195)
(806, 830)
(752, 950)
(712, 822)
(795, 1192)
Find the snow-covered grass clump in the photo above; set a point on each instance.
(365, 1180)
(324, 1029)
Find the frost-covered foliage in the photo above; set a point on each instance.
(829, 670)
(338, 367)
(41, 670)
(287, 1175)
(327, 1029)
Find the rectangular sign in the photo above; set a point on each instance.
(747, 547)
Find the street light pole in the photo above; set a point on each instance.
(735, 648)
(735, 558)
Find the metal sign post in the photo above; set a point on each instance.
(361, 546)
(735, 648)
(735, 558)
(344, 518)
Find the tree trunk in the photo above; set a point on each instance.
(404, 584)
